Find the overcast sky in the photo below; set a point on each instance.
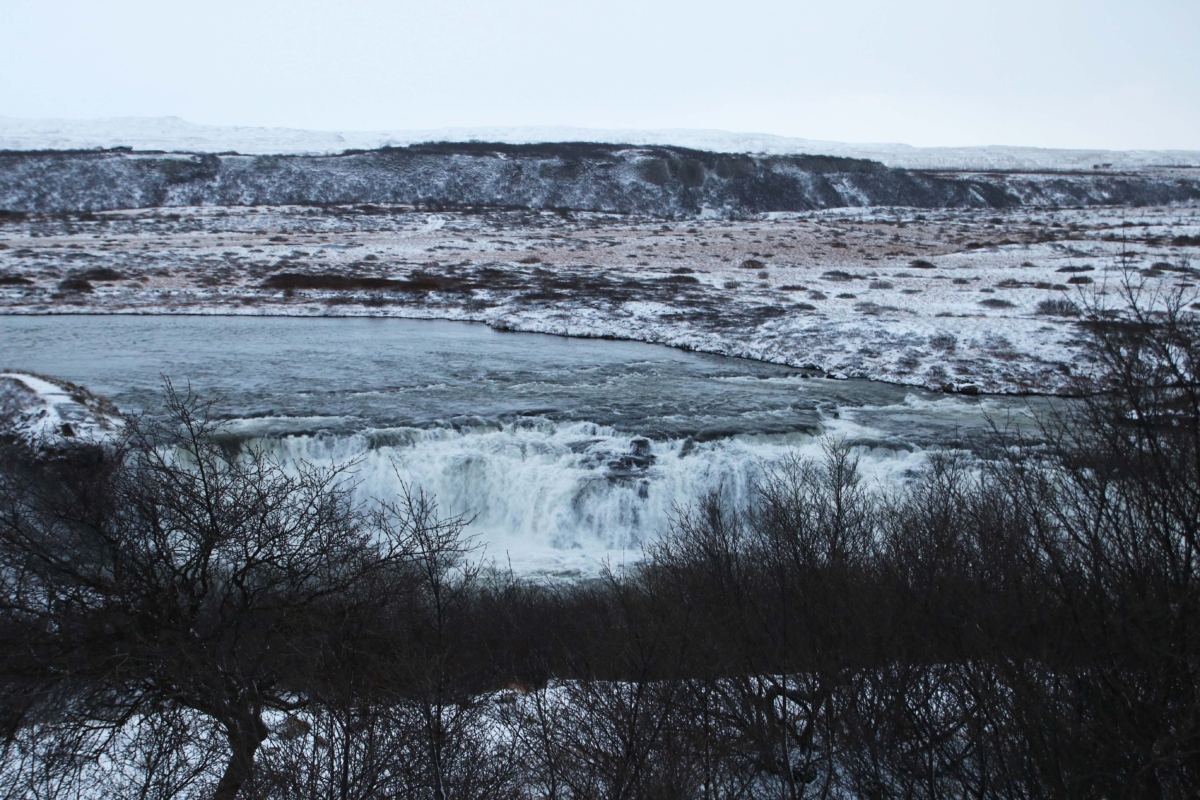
(926, 72)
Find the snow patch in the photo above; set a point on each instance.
(46, 413)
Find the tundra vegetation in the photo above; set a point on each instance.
(183, 617)
(861, 293)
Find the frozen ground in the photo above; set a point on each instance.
(173, 133)
(945, 299)
(46, 412)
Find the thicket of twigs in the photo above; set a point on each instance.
(182, 621)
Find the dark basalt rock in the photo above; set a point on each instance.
(633, 464)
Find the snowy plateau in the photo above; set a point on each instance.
(175, 134)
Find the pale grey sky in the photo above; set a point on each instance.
(1054, 73)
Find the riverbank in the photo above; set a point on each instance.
(945, 300)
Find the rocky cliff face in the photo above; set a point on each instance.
(661, 181)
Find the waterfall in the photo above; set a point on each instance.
(561, 497)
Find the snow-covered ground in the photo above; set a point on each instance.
(173, 133)
(46, 412)
(943, 299)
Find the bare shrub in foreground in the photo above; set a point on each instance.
(170, 575)
(1014, 626)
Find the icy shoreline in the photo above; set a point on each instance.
(50, 413)
(765, 352)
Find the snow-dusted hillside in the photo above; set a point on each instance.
(650, 180)
(175, 134)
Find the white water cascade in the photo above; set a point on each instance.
(561, 498)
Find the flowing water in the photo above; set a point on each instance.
(566, 451)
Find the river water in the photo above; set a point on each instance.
(567, 452)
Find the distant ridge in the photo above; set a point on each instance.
(655, 180)
(175, 134)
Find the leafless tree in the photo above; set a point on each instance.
(173, 574)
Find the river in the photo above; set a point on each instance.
(567, 452)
